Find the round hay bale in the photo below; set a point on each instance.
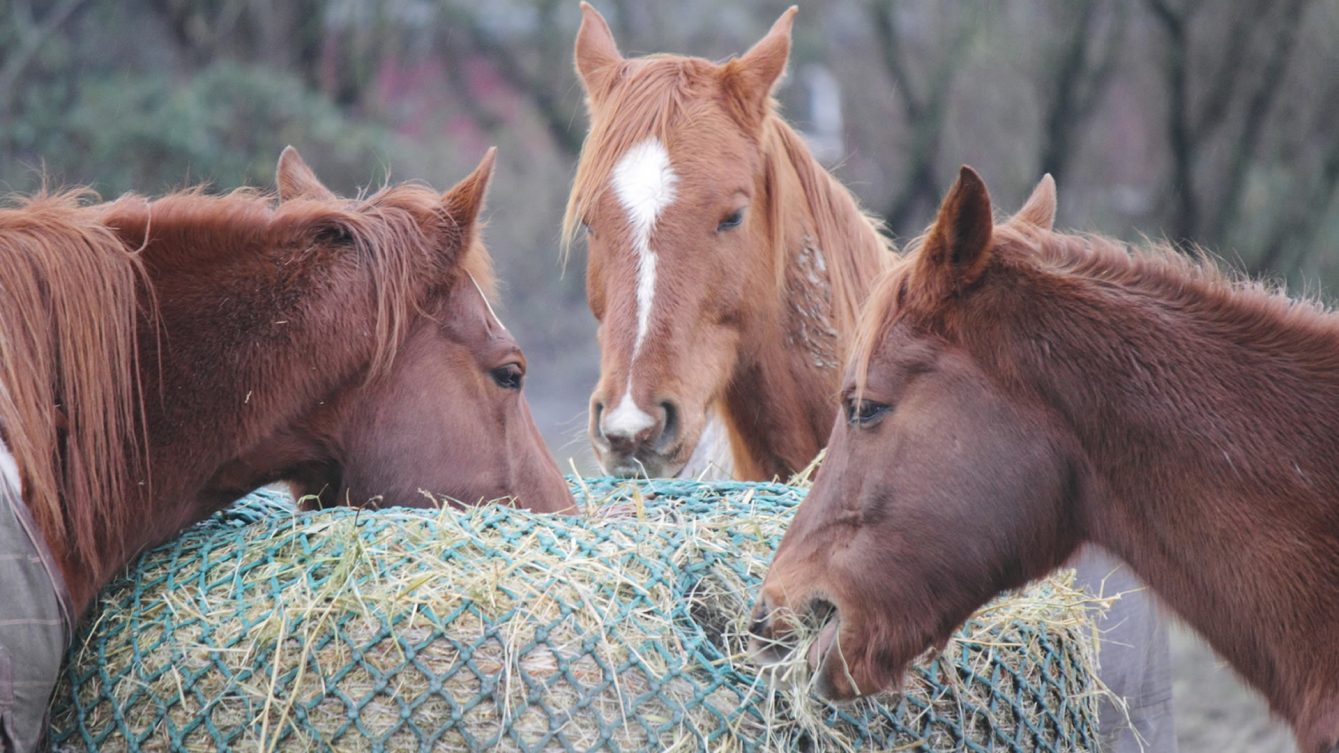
(497, 629)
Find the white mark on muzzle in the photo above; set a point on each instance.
(644, 183)
(626, 419)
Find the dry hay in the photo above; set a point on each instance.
(498, 629)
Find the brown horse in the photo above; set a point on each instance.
(160, 358)
(1015, 392)
(726, 267)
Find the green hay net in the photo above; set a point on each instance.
(497, 629)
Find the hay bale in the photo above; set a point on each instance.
(498, 629)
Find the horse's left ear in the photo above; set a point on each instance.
(466, 199)
(297, 181)
(750, 79)
(958, 245)
(1039, 209)
(597, 57)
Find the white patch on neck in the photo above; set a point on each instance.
(712, 459)
(9, 470)
(644, 183)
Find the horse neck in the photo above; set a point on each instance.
(1207, 423)
(781, 403)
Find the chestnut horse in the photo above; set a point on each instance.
(160, 358)
(1015, 392)
(725, 265)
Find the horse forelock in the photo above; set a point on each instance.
(658, 94)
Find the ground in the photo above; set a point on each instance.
(1215, 711)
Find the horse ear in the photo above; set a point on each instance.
(597, 55)
(958, 245)
(297, 181)
(1039, 209)
(466, 199)
(750, 79)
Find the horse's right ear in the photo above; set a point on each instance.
(297, 181)
(1039, 209)
(957, 247)
(466, 199)
(597, 56)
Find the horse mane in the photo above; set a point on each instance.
(851, 240)
(77, 280)
(656, 94)
(69, 376)
(1157, 270)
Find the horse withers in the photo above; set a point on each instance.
(159, 358)
(1014, 393)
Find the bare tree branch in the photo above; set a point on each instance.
(1258, 107)
(543, 94)
(926, 113)
(33, 34)
(1077, 84)
(1179, 134)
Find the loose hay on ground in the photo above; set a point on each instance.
(498, 629)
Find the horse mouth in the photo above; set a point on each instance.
(644, 464)
(824, 615)
(808, 639)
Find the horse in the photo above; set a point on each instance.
(725, 265)
(160, 358)
(727, 269)
(1014, 392)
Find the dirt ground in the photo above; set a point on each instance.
(1215, 712)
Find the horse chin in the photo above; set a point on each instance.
(642, 466)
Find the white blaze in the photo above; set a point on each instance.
(644, 183)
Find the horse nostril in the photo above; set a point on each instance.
(669, 426)
(759, 627)
(598, 410)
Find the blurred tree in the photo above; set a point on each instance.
(1224, 72)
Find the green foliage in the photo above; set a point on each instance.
(151, 131)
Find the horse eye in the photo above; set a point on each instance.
(731, 221)
(865, 413)
(509, 376)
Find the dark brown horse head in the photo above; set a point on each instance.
(446, 416)
(936, 476)
(671, 190)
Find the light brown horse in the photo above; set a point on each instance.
(159, 358)
(1015, 392)
(726, 267)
